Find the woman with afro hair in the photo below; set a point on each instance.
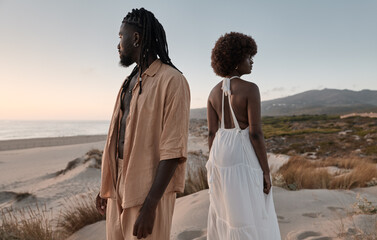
(241, 202)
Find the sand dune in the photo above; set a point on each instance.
(6, 145)
(35, 171)
(304, 214)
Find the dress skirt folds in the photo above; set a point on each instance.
(239, 209)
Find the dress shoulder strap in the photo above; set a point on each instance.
(226, 91)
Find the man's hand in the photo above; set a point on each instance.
(101, 205)
(145, 222)
(266, 183)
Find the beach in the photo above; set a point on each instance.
(303, 214)
(25, 159)
(14, 144)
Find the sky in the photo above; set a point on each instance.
(59, 61)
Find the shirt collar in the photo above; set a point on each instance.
(153, 68)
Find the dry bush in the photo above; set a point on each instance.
(23, 195)
(362, 223)
(29, 224)
(347, 163)
(299, 173)
(94, 151)
(96, 155)
(77, 213)
(195, 182)
(364, 206)
(358, 177)
(26, 224)
(356, 233)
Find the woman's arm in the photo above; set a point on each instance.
(213, 123)
(256, 133)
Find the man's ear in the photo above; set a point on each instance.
(136, 39)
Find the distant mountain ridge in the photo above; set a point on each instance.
(326, 101)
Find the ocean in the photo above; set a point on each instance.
(41, 129)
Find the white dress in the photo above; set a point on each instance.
(239, 209)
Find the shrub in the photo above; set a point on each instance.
(77, 213)
(302, 173)
(299, 173)
(358, 177)
(26, 224)
(21, 196)
(195, 182)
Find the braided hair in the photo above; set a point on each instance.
(153, 40)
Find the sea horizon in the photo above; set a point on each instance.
(30, 129)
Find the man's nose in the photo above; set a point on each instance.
(118, 46)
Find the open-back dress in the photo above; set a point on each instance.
(239, 209)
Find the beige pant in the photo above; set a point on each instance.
(120, 222)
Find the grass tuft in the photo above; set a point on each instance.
(364, 206)
(37, 223)
(77, 213)
(21, 196)
(195, 182)
(300, 173)
(95, 154)
(361, 224)
(358, 177)
(26, 224)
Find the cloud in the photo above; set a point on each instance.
(273, 91)
(278, 89)
(87, 70)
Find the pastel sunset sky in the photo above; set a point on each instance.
(59, 61)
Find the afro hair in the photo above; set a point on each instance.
(230, 50)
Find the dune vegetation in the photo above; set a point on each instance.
(37, 223)
(325, 152)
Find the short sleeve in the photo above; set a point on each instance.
(176, 113)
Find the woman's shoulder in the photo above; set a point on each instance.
(245, 83)
(216, 89)
(243, 86)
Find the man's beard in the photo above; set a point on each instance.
(125, 61)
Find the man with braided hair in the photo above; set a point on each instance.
(144, 159)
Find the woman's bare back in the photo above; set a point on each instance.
(241, 94)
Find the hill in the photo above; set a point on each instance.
(198, 113)
(326, 101)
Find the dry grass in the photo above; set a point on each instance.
(23, 195)
(355, 232)
(362, 222)
(364, 206)
(93, 154)
(94, 151)
(77, 213)
(195, 182)
(27, 224)
(300, 173)
(37, 223)
(347, 163)
(96, 155)
(358, 177)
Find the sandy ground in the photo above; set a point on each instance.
(304, 214)
(48, 142)
(33, 170)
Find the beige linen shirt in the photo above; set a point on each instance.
(156, 129)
